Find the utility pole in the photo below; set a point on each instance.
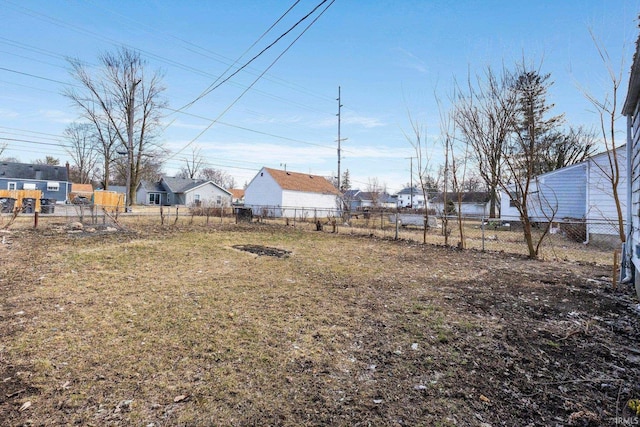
(410, 180)
(339, 139)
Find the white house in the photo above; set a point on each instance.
(602, 213)
(631, 109)
(581, 192)
(470, 203)
(281, 193)
(559, 194)
(182, 191)
(412, 197)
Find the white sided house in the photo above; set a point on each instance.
(580, 193)
(631, 109)
(278, 193)
(556, 195)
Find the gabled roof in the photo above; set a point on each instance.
(180, 185)
(302, 182)
(407, 190)
(237, 193)
(30, 171)
(152, 187)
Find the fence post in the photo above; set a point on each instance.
(35, 220)
(482, 228)
(397, 223)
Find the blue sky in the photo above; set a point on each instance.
(391, 58)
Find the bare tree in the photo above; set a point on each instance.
(456, 168)
(484, 116)
(220, 177)
(124, 99)
(376, 190)
(418, 141)
(193, 164)
(566, 148)
(82, 150)
(48, 160)
(607, 110)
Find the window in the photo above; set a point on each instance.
(29, 186)
(12, 186)
(53, 186)
(219, 200)
(154, 198)
(196, 197)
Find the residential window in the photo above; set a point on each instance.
(196, 197)
(154, 198)
(219, 200)
(12, 186)
(53, 186)
(29, 186)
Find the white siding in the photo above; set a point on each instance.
(262, 191)
(602, 215)
(312, 204)
(560, 193)
(208, 195)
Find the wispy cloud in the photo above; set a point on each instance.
(353, 120)
(411, 61)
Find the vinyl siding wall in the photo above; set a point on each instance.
(562, 191)
(602, 215)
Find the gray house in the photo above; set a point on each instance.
(182, 191)
(52, 181)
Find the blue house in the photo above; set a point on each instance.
(52, 181)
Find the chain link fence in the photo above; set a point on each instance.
(568, 239)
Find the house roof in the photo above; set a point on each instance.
(180, 185)
(467, 197)
(152, 187)
(633, 92)
(302, 182)
(35, 172)
(407, 190)
(237, 193)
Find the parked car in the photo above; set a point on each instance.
(81, 200)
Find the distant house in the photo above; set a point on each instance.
(52, 181)
(361, 200)
(182, 191)
(412, 197)
(237, 196)
(580, 192)
(631, 109)
(281, 193)
(469, 204)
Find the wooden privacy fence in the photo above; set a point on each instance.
(28, 200)
(109, 200)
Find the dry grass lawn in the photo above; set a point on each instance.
(179, 327)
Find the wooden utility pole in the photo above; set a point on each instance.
(339, 139)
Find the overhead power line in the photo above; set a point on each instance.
(258, 78)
